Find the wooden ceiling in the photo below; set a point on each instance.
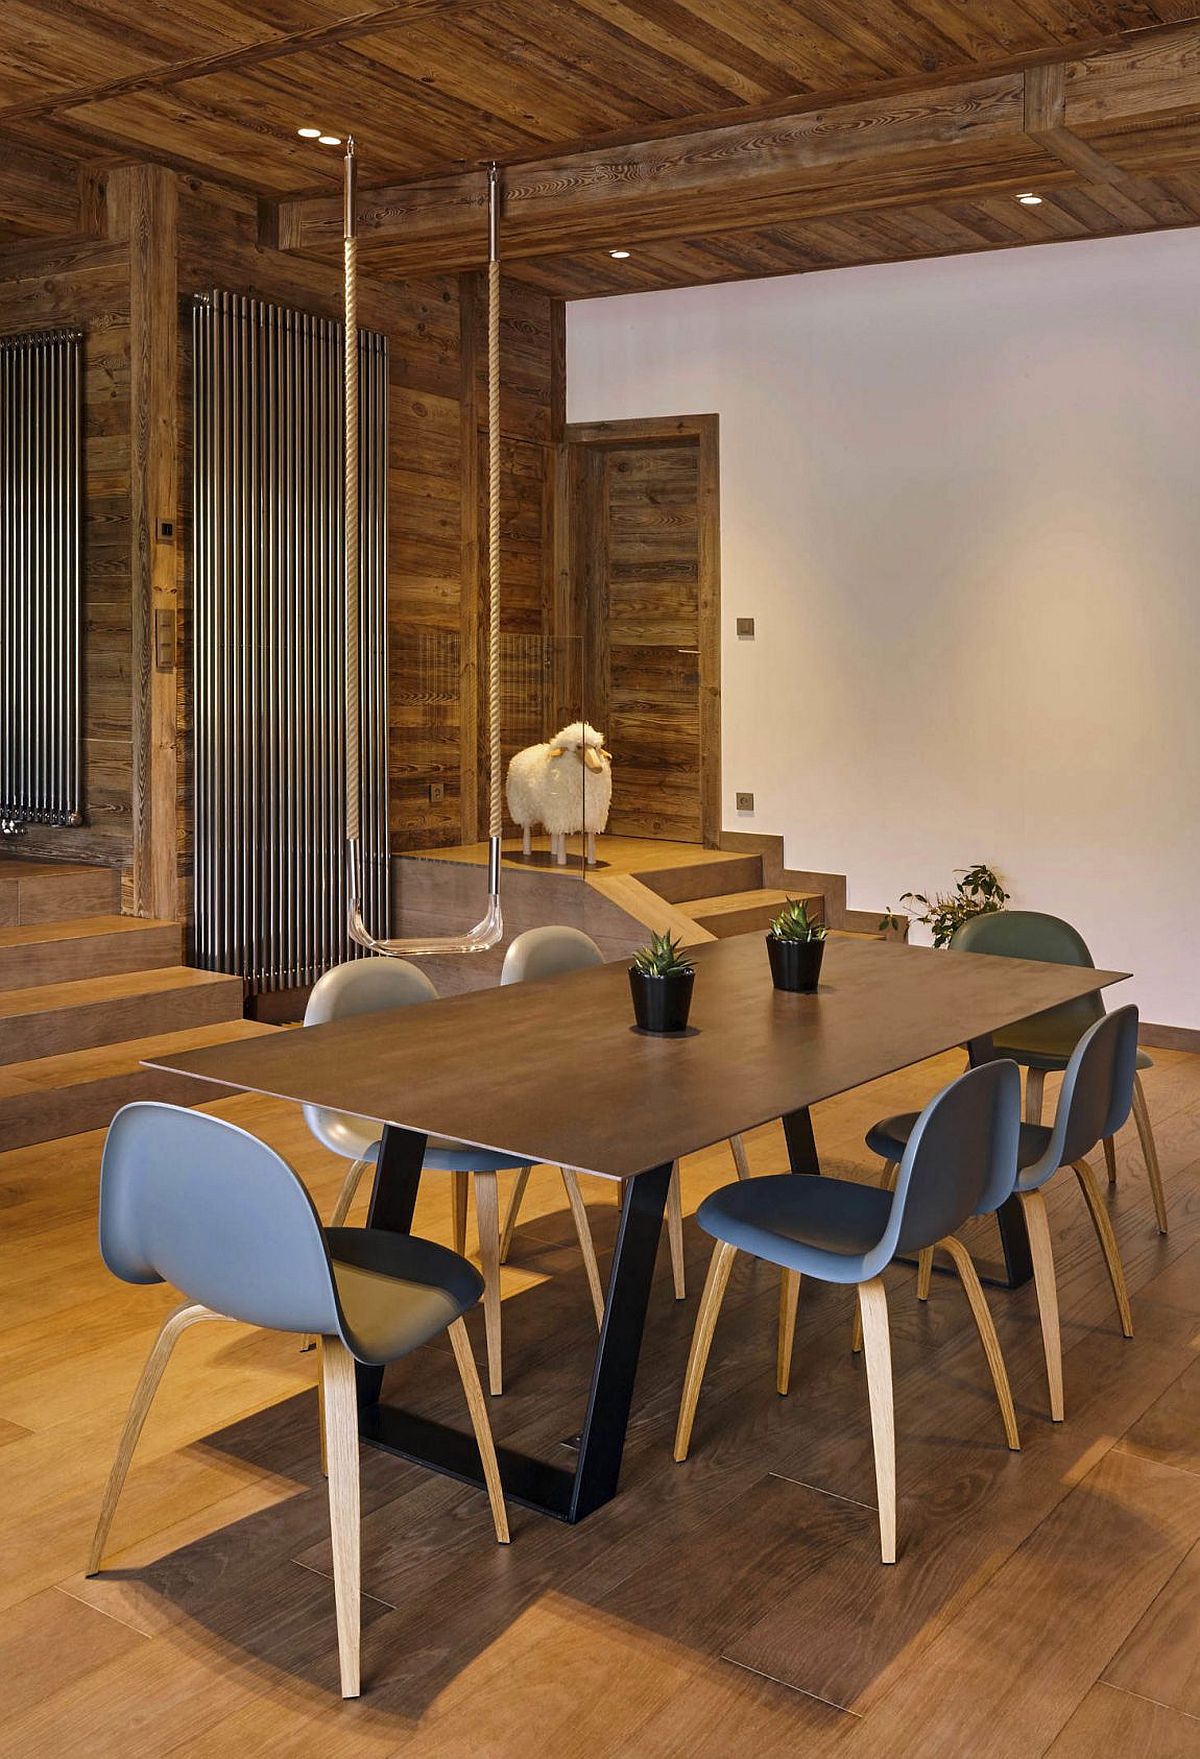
(715, 139)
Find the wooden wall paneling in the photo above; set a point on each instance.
(708, 522)
(474, 550)
(154, 356)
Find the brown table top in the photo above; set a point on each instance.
(554, 1071)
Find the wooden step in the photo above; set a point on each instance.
(705, 879)
(49, 1019)
(53, 891)
(858, 934)
(743, 912)
(81, 1090)
(86, 946)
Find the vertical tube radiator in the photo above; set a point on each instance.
(270, 893)
(41, 548)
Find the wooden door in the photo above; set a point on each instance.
(645, 568)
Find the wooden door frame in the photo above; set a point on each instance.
(704, 429)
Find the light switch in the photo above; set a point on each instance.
(745, 628)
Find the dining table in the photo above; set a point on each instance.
(555, 1071)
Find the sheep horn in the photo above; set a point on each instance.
(591, 758)
(555, 751)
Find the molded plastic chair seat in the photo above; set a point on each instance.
(1044, 1042)
(961, 1156)
(822, 1227)
(1040, 1043)
(196, 1201)
(397, 1291)
(889, 1138)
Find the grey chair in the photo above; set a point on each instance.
(1093, 1104)
(961, 1154)
(190, 1199)
(550, 952)
(1044, 1042)
(372, 985)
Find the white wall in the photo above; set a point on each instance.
(962, 500)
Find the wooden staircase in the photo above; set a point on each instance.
(732, 894)
(85, 994)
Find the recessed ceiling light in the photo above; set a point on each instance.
(620, 255)
(309, 133)
(330, 140)
(1029, 200)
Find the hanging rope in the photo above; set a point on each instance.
(350, 511)
(490, 929)
(495, 813)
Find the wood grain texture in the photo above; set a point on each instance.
(881, 1007)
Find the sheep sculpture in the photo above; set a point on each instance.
(565, 785)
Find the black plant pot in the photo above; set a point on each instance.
(795, 965)
(661, 1004)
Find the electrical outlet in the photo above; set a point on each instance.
(166, 531)
(745, 628)
(744, 802)
(437, 792)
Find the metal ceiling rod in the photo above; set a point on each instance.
(488, 931)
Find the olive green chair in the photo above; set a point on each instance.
(1044, 1042)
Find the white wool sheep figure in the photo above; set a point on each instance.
(565, 785)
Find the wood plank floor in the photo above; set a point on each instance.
(1043, 1603)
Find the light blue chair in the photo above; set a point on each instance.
(1093, 1104)
(1044, 1042)
(192, 1200)
(373, 985)
(960, 1156)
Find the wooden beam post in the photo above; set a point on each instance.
(150, 210)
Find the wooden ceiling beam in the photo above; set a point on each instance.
(961, 137)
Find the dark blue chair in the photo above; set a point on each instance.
(960, 1156)
(1093, 1104)
(192, 1200)
(1044, 1042)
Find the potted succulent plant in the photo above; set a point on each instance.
(795, 947)
(660, 980)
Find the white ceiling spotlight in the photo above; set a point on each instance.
(618, 255)
(330, 140)
(309, 133)
(1028, 200)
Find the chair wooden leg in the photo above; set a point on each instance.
(570, 1179)
(1033, 1204)
(738, 1150)
(1141, 1117)
(1108, 1241)
(981, 1314)
(459, 1183)
(487, 1215)
(675, 1233)
(789, 1300)
(1035, 1082)
(173, 1327)
(1110, 1159)
(460, 1343)
(348, 1192)
(924, 1272)
(706, 1320)
(514, 1210)
(341, 1449)
(873, 1302)
(887, 1183)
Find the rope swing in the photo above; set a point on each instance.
(489, 930)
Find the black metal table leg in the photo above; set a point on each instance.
(1014, 1235)
(552, 1490)
(801, 1143)
(393, 1200)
